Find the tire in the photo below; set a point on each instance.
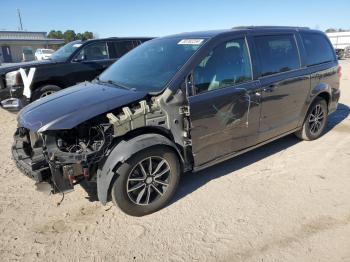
(44, 91)
(133, 188)
(313, 127)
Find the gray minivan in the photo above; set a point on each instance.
(176, 104)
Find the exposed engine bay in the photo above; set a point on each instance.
(74, 155)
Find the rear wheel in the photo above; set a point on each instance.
(315, 121)
(45, 91)
(147, 181)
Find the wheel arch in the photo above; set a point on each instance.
(125, 149)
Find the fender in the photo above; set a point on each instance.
(315, 91)
(122, 152)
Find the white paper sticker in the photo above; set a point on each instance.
(77, 45)
(190, 42)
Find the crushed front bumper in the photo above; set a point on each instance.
(33, 165)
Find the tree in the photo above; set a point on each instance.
(69, 36)
(88, 35)
(331, 30)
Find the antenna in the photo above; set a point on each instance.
(20, 19)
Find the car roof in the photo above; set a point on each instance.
(239, 29)
(119, 38)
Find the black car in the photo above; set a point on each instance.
(75, 62)
(176, 104)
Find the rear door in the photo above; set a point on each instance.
(285, 84)
(225, 109)
(119, 48)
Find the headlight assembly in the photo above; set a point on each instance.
(13, 78)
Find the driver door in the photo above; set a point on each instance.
(225, 107)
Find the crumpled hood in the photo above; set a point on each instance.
(72, 106)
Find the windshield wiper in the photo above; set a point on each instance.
(111, 82)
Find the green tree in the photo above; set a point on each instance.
(331, 30)
(88, 35)
(69, 36)
(79, 36)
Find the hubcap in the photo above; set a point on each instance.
(148, 180)
(46, 93)
(316, 119)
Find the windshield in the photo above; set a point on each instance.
(65, 51)
(151, 66)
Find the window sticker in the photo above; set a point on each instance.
(190, 42)
(77, 45)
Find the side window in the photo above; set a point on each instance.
(118, 49)
(318, 49)
(277, 53)
(95, 51)
(227, 64)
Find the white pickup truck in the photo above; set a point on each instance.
(341, 43)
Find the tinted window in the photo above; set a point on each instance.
(95, 51)
(277, 53)
(226, 65)
(118, 49)
(318, 49)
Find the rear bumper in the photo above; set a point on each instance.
(35, 166)
(334, 101)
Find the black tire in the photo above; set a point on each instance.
(41, 91)
(126, 197)
(310, 129)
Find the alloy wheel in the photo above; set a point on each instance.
(148, 180)
(46, 93)
(316, 119)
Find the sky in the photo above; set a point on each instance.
(108, 18)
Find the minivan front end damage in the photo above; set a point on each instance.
(63, 158)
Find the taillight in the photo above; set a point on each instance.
(339, 72)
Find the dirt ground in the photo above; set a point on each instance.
(286, 201)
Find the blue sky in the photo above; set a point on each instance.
(163, 17)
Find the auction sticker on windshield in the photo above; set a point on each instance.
(190, 42)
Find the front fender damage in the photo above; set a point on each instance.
(96, 149)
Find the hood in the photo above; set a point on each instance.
(72, 106)
(12, 67)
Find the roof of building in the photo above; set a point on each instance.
(11, 36)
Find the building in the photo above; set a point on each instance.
(341, 43)
(18, 46)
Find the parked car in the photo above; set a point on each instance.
(176, 104)
(75, 62)
(43, 54)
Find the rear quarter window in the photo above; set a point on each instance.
(277, 53)
(318, 49)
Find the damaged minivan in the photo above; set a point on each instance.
(177, 104)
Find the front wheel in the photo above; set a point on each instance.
(315, 121)
(45, 91)
(147, 181)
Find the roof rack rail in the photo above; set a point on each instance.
(270, 27)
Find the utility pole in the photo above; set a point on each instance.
(20, 19)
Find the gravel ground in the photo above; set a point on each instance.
(286, 201)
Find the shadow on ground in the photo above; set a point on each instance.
(190, 182)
